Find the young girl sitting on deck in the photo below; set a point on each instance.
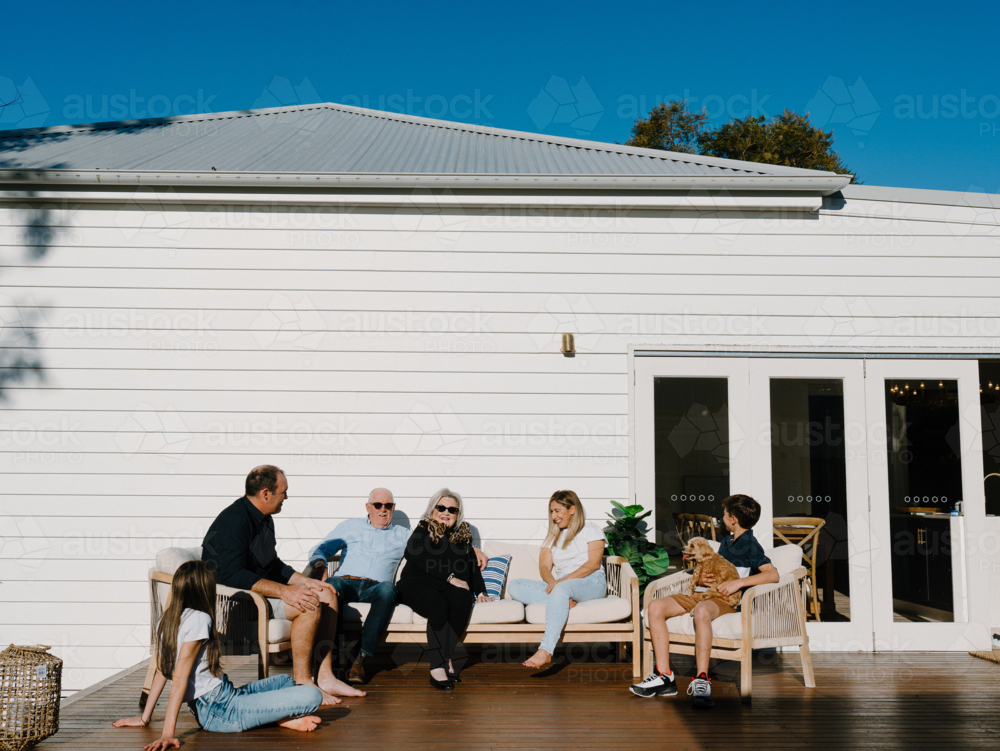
(187, 647)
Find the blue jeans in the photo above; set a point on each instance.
(227, 709)
(528, 591)
(381, 595)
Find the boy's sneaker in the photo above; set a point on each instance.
(701, 689)
(655, 684)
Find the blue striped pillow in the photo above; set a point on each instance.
(495, 574)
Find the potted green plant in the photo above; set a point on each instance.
(626, 535)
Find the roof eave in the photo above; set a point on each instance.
(819, 183)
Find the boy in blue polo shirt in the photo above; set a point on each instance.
(741, 549)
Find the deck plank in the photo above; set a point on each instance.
(913, 700)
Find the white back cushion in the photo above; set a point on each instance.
(523, 560)
(169, 560)
(786, 558)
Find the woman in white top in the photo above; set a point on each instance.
(570, 565)
(187, 648)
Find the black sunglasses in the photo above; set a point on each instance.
(446, 509)
(388, 506)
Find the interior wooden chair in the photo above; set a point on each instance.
(804, 532)
(694, 525)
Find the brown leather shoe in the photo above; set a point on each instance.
(357, 672)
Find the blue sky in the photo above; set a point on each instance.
(911, 90)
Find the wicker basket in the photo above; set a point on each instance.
(30, 685)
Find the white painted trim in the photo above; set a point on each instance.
(695, 203)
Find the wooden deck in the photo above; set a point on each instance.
(907, 700)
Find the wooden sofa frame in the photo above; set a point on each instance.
(622, 582)
(773, 615)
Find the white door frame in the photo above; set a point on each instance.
(736, 371)
(857, 634)
(971, 632)
(649, 362)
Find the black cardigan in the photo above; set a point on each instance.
(431, 563)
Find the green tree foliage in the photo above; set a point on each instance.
(671, 127)
(788, 139)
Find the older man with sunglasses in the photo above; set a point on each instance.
(372, 549)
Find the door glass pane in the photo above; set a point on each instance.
(809, 487)
(692, 455)
(925, 498)
(989, 402)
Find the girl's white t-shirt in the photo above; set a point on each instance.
(196, 626)
(569, 559)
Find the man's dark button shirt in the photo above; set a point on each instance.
(241, 545)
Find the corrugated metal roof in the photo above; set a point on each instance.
(334, 138)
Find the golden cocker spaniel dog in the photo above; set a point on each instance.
(710, 562)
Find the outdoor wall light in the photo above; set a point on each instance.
(568, 346)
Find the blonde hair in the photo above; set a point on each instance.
(193, 587)
(436, 498)
(566, 499)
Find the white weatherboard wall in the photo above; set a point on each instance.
(184, 345)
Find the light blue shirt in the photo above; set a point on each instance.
(369, 552)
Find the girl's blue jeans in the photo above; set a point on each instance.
(528, 591)
(227, 709)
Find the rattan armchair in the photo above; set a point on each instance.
(771, 615)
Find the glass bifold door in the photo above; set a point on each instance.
(873, 466)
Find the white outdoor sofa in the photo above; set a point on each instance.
(615, 618)
(771, 615)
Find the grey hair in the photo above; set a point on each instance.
(436, 498)
(384, 490)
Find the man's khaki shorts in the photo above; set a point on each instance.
(688, 604)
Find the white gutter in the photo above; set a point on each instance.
(823, 184)
(157, 198)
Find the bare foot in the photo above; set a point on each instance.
(572, 603)
(303, 724)
(539, 659)
(328, 700)
(331, 685)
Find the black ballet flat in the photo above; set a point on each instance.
(453, 677)
(442, 685)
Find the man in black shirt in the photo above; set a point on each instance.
(241, 544)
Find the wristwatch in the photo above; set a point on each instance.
(450, 577)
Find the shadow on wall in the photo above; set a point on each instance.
(31, 229)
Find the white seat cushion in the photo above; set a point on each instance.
(728, 626)
(501, 611)
(356, 612)
(279, 630)
(603, 610)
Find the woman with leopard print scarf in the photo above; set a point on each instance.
(441, 579)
